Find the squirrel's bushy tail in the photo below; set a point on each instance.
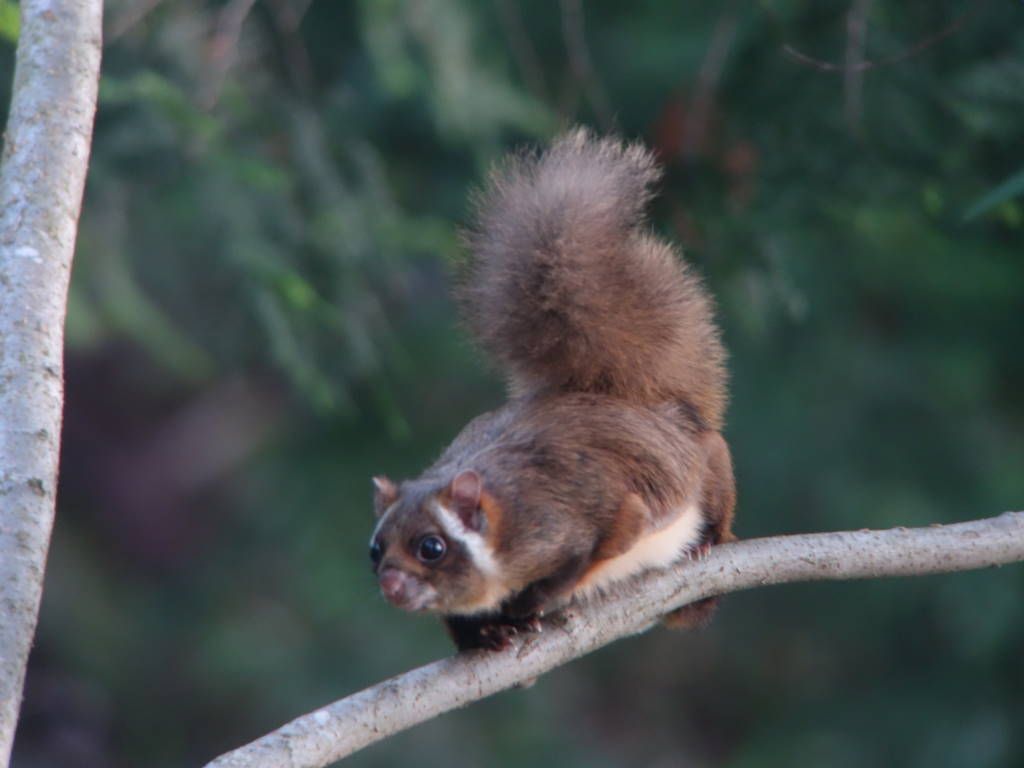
(568, 290)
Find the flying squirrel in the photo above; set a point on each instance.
(607, 460)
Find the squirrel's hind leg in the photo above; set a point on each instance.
(718, 501)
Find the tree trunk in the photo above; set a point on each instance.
(46, 152)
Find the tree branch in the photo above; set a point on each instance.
(863, 65)
(346, 726)
(46, 152)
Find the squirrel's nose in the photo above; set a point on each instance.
(392, 584)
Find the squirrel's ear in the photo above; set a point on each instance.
(385, 493)
(465, 489)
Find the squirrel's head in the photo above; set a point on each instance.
(433, 547)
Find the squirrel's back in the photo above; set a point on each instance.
(568, 290)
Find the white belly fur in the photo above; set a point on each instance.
(656, 550)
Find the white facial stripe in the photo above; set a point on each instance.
(380, 522)
(478, 548)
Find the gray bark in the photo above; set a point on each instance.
(46, 152)
(341, 728)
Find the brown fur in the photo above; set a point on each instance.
(495, 518)
(562, 468)
(618, 391)
(718, 489)
(632, 520)
(568, 292)
(718, 501)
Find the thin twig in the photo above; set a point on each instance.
(923, 44)
(223, 48)
(523, 53)
(346, 726)
(129, 19)
(853, 76)
(287, 17)
(695, 125)
(580, 63)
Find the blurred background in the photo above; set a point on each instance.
(259, 320)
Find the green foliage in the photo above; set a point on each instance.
(259, 321)
(1001, 196)
(10, 21)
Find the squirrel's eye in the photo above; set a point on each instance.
(376, 551)
(432, 548)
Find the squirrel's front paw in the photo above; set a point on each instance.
(496, 635)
